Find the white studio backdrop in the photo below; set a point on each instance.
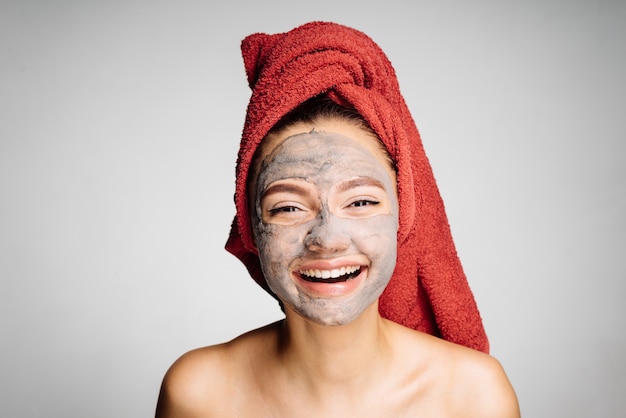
(119, 127)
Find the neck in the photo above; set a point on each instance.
(336, 355)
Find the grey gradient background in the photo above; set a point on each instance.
(119, 126)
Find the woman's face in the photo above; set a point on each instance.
(325, 220)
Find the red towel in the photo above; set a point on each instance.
(428, 291)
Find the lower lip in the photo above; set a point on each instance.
(330, 290)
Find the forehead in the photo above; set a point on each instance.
(332, 136)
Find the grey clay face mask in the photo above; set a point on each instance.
(325, 224)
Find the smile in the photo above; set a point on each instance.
(330, 276)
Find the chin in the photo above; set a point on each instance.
(335, 316)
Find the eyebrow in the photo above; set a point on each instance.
(358, 182)
(285, 188)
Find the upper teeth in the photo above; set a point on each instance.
(328, 274)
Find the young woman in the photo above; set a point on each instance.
(323, 224)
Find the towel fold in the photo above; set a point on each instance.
(428, 291)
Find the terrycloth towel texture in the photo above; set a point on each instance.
(428, 290)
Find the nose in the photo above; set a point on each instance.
(328, 235)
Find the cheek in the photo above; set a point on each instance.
(377, 237)
(277, 245)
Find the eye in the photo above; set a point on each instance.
(362, 205)
(287, 212)
(364, 202)
(284, 209)
(288, 201)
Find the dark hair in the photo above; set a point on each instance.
(318, 108)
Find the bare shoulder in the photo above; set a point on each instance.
(199, 381)
(189, 386)
(481, 386)
(473, 383)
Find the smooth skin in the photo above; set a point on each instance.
(367, 367)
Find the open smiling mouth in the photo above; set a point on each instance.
(330, 276)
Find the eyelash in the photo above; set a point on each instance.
(363, 202)
(283, 209)
(290, 209)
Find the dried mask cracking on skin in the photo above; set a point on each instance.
(325, 223)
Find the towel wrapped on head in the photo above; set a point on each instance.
(428, 290)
